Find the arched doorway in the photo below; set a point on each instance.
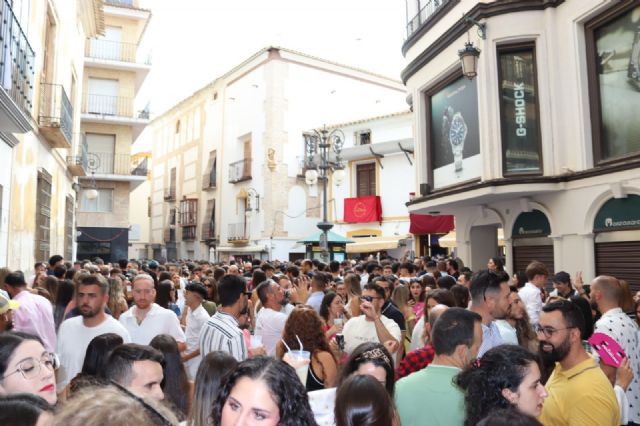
(531, 241)
(617, 239)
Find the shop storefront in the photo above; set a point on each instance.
(531, 240)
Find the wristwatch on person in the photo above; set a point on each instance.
(457, 136)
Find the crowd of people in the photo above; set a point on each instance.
(370, 342)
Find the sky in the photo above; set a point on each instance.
(195, 41)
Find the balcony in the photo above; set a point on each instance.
(425, 14)
(170, 194)
(169, 235)
(56, 115)
(118, 110)
(16, 74)
(142, 169)
(188, 233)
(237, 233)
(189, 213)
(209, 180)
(117, 55)
(240, 171)
(79, 164)
(208, 231)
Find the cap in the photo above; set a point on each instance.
(562, 277)
(7, 304)
(153, 264)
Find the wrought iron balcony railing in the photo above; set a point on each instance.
(56, 113)
(116, 106)
(238, 232)
(115, 51)
(141, 169)
(188, 233)
(107, 163)
(240, 170)
(208, 231)
(79, 164)
(431, 7)
(170, 194)
(209, 180)
(17, 60)
(169, 235)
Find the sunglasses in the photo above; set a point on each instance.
(369, 298)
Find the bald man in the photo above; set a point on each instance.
(606, 293)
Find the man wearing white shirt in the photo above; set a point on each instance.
(145, 320)
(194, 294)
(372, 326)
(76, 333)
(270, 321)
(531, 295)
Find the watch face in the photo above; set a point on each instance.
(458, 130)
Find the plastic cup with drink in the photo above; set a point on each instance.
(299, 359)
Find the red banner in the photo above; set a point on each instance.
(426, 224)
(363, 209)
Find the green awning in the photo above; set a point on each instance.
(332, 238)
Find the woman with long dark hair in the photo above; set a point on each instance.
(98, 352)
(166, 296)
(212, 373)
(266, 386)
(177, 388)
(333, 314)
(506, 376)
(361, 400)
(63, 297)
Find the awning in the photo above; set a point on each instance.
(427, 224)
(449, 240)
(372, 244)
(332, 237)
(241, 249)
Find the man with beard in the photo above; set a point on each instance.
(146, 319)
(222, 331)
(579, 392)
(270, 320)
(76, 333)
(606, 294)
(490, 299)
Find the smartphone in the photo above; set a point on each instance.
(340, 341)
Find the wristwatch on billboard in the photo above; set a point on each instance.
(457, 135)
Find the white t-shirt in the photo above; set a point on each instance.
(530, 295)
(195, 321)
(158, 321)
(416, 336)
(269, 325)
(74, 338)
(358, 330)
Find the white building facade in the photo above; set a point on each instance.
(227, 160)
(544, 143)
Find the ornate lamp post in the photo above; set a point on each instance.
(318, 165)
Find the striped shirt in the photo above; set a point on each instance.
(222, 333)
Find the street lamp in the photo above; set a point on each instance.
(318, 166)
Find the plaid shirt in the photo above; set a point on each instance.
(415, 361)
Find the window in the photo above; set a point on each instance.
(365, 179)
(188, 212)
(188, 233)
(209, 179)
(101, 153)
(209, 223)
(177, 126)
(363, 137)
(521, 152)
(43, 215)
(68, 228)
(170, 194)
(103, 203)
(613, 58)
